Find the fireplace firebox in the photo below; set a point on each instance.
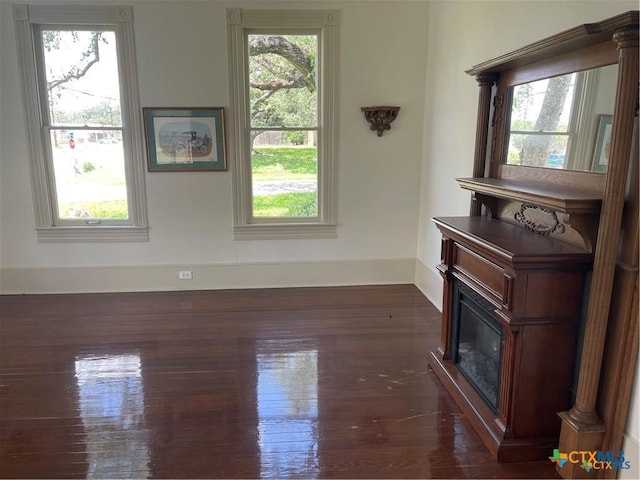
(476, 342)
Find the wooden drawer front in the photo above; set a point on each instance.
(486, 275)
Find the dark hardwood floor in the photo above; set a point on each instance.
(280, 383)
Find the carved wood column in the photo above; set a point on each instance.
(582, 429)
(485, 82)
(621, 348)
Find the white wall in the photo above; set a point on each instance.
(463, 34)
(182, 62)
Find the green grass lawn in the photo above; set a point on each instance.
(300, 204)
(113, 209)
(285, 163)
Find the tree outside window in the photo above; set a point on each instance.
(86, 149)
(284, 120)
(85, 124)
(283, 81)
(541, 116)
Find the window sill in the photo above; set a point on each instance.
(93, 234)
(284, 231)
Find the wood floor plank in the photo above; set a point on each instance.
(327, 382)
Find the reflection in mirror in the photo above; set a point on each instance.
(554, 121)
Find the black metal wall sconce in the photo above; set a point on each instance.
(380, 118)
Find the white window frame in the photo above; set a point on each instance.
(584, 120)
(28, 20)
(240, 22)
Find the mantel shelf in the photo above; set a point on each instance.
(570, 199)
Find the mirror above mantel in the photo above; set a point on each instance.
(546, 129)
(562, 122)
(527, 135)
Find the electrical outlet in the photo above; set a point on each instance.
(185, 275)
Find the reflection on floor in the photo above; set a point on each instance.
(287, 402)
(112, 408)
(285, 383)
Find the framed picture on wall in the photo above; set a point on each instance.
(185, 139)
(602, 147)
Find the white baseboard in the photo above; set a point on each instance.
(205, 277)
(429, 281)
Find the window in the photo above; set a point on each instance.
(283, 130)
(542, 122)
(80, 87)
(553, 121)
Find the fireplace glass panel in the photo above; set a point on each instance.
(477, 343)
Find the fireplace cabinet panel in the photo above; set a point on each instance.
(512, 300)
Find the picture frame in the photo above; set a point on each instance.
(602, 146)
(185, 139)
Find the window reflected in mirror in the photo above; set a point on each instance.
(555, 122)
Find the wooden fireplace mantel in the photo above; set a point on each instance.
(594, 212)
(574, 199)
(534, 284)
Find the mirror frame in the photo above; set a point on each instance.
(585, 59)
(581, 48)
